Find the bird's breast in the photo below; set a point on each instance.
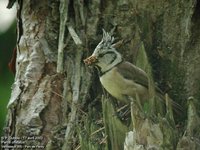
(120, 87)
(115, 84)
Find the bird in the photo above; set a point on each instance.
(120, 78)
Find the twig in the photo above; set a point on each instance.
(75, 98)
(121, 108)
(78, 147)
(103, 140)
(81, 11)
(97, 131)
(74, 35)
(63, 19)
(69, 102)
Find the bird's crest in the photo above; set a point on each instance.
(107, 40)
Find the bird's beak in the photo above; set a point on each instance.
(90, 60)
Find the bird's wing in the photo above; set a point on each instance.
(131, 72)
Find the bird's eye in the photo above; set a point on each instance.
(101, 55)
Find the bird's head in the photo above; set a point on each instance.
(105, 56)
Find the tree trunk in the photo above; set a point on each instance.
(58, 103)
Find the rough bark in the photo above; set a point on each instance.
(58, 103)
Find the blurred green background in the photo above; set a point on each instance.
(7, 44)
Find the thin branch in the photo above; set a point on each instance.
(81, 11)
(104, 140)
(80, 110)
(97, 131)
(121, 108)
(63, 19)
(76, 91)
(78, 147)
(74, 35)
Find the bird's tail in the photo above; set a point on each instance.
(168, 101)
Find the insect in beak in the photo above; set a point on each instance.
(90, 60)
